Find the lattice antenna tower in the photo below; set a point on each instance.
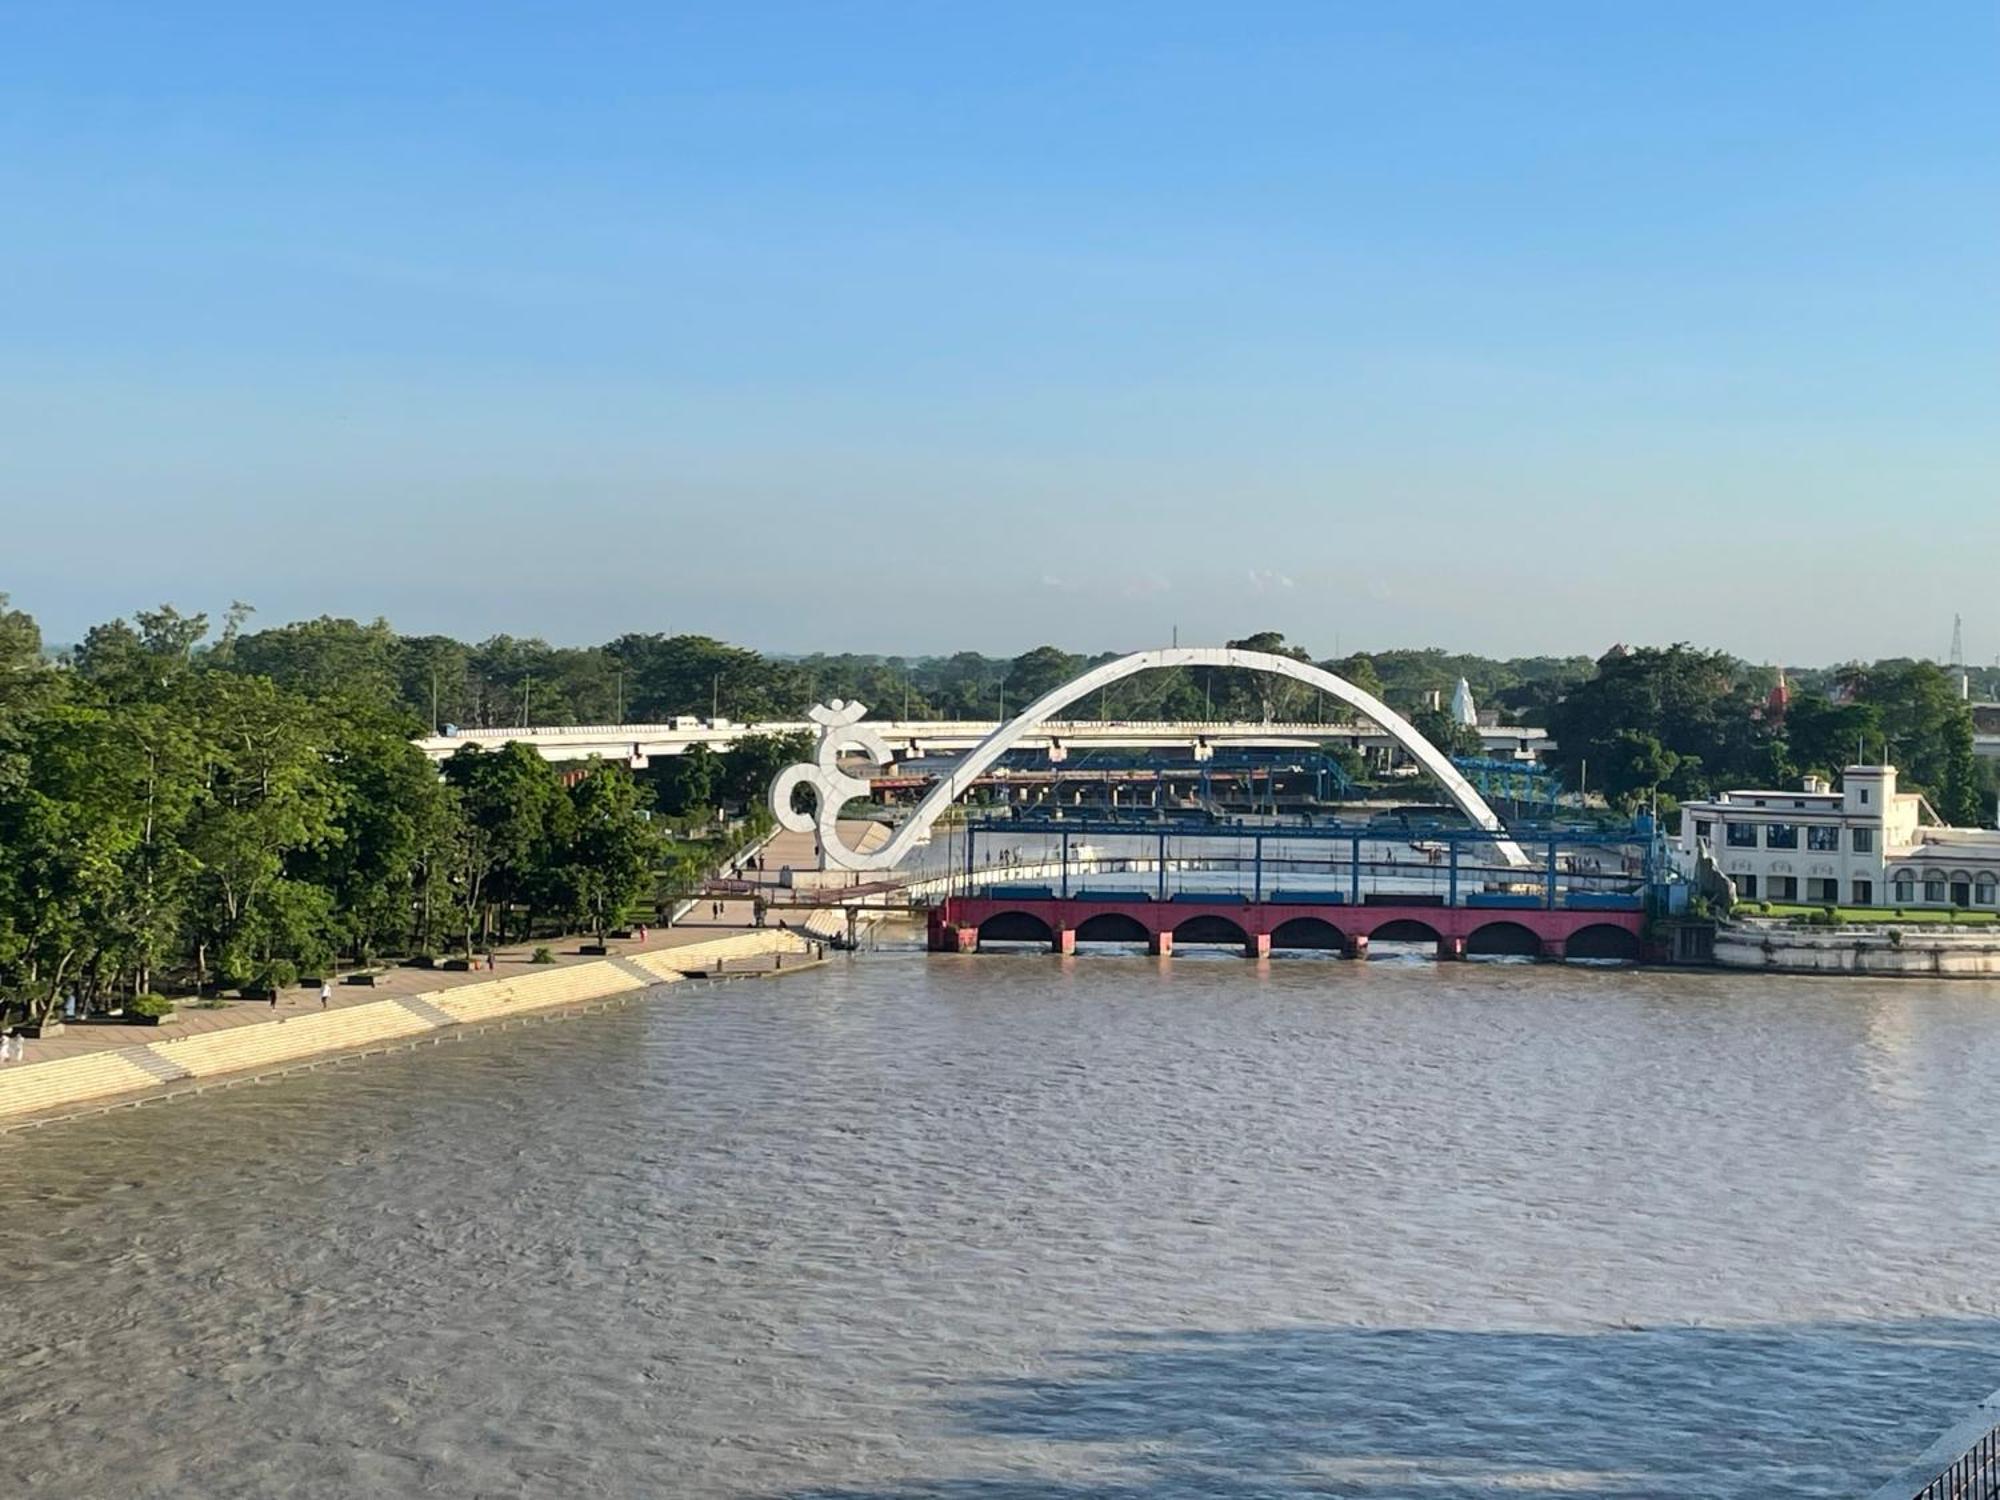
(1958, 641)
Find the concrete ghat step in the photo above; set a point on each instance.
(166, 1060)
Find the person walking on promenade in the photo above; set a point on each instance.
(325, 993)
(274, 997)
(490, 964)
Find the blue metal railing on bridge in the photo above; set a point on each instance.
(1584, 868)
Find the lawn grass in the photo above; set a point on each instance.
(1871, 914)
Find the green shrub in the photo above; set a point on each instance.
(150, 1005)
(541, 956)
(278, 973)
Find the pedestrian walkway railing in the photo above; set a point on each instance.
(1963, 1464)
(1973, 1475)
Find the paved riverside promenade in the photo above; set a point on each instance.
(243, 1034)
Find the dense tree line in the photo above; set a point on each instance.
(175, 814)
(1676, 722)
(509, 680)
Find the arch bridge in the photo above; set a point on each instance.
(842, 731)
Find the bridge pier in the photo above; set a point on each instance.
(1259, 946)
(1451, 948)
(1065, 942)
(1161, 944)
(1357, 946)
(1554, 948)
(949, 939)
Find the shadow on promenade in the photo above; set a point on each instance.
(1815, 1409)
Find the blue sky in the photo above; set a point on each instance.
(900, 327)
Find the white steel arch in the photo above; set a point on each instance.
(833, 787)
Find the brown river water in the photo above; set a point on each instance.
(1016, 1228)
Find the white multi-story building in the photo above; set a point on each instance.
(1864, 845)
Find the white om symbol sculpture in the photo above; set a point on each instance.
(833, 788)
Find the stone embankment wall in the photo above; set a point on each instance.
(93, 1077)
(1919, 951)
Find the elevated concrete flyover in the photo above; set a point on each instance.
(637, 744)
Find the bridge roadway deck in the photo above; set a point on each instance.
(636, 744)
(962, 924)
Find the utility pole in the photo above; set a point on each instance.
(434, 702)
(527, 692)
(621, 695)
(714, 697)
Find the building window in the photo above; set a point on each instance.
(1781, 836)
(1703, 829)
(1934, 887)
(1784, 887)
(1824, 891)
(1864, 841)
(1746, 886)
(1961, 888)
(1987, 892)
(1864, 796)
(1906, 887)
(1741, 835)
(1823, 838)
(1864, 893)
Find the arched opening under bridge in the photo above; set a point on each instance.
(1015, 927)
(1111, 927)
(1503, 939)
(1603, 941)
(1307, 932)
(1210, 929)
(842, 730)
(1403, 930)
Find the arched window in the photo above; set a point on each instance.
(1934, 886)
(1987, 891)
(1906, 887)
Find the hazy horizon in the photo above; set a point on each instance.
(1319, 651)
(1529, 330)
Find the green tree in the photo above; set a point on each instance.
(670, 676)
(513, 809)
(1036, 672)
(611, 850)
(1244, 694)
(383, 875)
(751, 764)
(1928, 730)
(325, 657)
(1821, 736)
(1446, 733)
(687, 783)
(269, 796)
(1692, 705)
(64, 837)
(1359, 670)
